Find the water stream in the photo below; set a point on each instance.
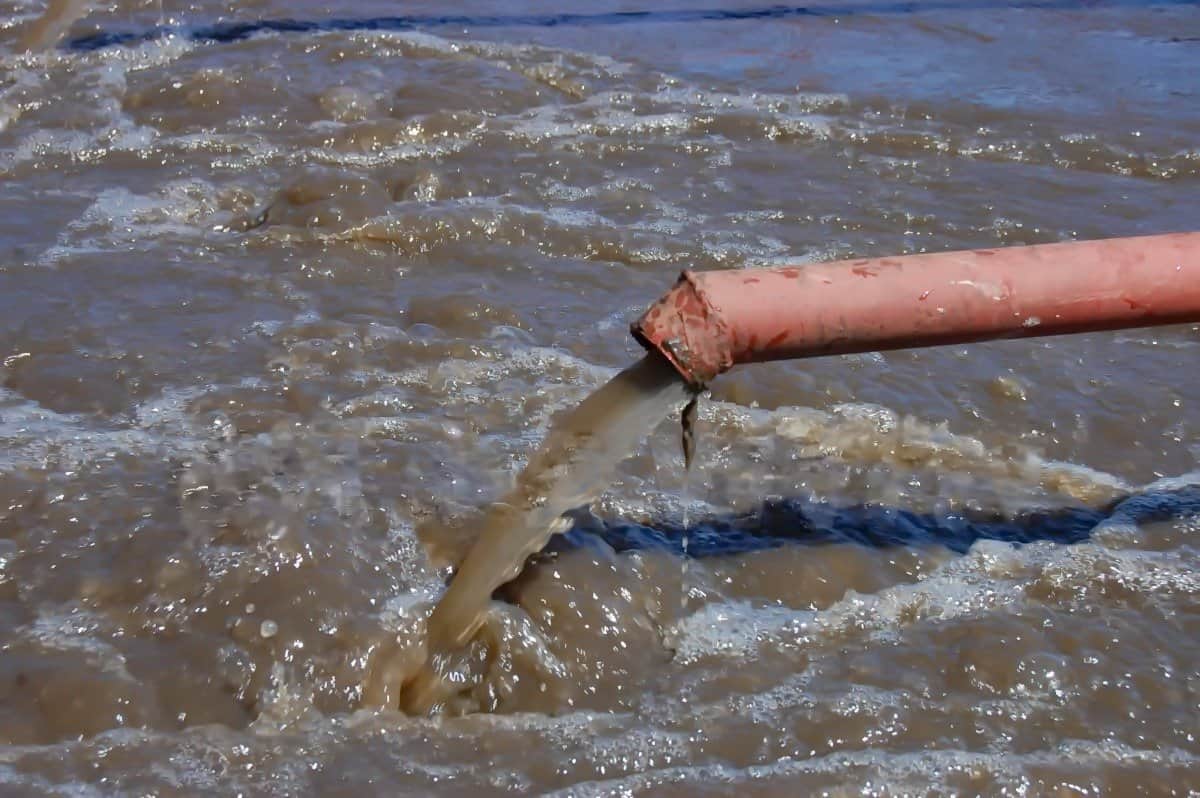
(687, 423)
(570, 468)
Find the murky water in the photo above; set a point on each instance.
(283, 307)
(570, 468)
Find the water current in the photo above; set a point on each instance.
(570, 468)
(292, 297)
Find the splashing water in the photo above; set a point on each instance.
(568, 470)
(687, 421)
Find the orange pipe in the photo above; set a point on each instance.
(712, 321)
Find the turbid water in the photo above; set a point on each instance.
(571, 467)
(286, 307)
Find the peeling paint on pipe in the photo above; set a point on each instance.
(712, 321)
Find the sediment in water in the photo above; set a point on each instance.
(570, 469)
(204, 430)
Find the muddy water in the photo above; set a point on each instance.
(280, 312)
(570, 468)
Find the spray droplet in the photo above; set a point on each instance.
(268, 629)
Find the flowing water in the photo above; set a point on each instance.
(570, 468)
(687, 423)
(287, 307)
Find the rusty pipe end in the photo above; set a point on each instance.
(687, 329)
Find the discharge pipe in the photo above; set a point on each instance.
(712, 321)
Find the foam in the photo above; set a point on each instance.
(889, 774)
(118, 219)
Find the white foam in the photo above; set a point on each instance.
(880, 773)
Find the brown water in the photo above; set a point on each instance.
(570, 468)
(279, 315)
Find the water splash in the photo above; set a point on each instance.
(687, 423)
(570, 469)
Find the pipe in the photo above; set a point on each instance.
(712, 321)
